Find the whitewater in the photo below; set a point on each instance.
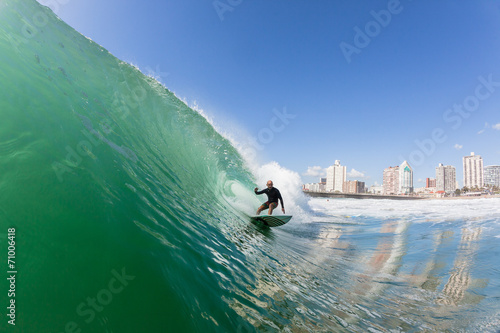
(130, 215)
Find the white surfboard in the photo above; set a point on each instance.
(270, 220)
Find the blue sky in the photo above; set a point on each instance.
(369, 83)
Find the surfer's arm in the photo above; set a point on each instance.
(281, 202)
(259, 192)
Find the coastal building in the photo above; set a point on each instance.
(446, 178)
(425, 192)
(354, 187)
(492, 175)
(391, 180)
(430, 182)
(313, 187)
(405, 179)
(473, 171)
(376, 189)
(335, 177)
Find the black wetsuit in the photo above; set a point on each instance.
(273, 195)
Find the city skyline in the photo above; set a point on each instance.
(444, 179)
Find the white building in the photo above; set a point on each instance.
(376, 189)
(446, 178)
(314, 187)
(335, 177)
(405, 178)
(473, 171)
(391, 180)
(492, 175)
(427, 192)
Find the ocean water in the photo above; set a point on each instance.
(129, 212)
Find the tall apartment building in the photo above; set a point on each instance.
(391, 180)
(492, 175)
(354, 186)
(405, 178)
(429, 182)
(473, 171)
(446, 178)
(335, 177)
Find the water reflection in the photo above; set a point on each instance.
(428, 279)
(373, 275)
(455, 290)
(384, 262)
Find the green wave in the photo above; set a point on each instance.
(120, 194)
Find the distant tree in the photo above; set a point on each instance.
(457, 192)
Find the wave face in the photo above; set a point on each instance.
(120, 194)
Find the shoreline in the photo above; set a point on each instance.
(390, 197)
(468, 197)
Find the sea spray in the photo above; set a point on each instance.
(290, 185)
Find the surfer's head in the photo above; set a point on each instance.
(269, 184)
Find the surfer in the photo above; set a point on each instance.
(273, 194)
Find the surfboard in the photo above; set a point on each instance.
(270, 220)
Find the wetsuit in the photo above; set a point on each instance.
(273, 195)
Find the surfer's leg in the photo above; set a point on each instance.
(272, 205)
(265, 205)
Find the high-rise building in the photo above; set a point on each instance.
(429, 182)
(391, 180)
(354, 186)
(335, 177)
(473, 171)
(446, 178)
(492, 175)
(405, 179)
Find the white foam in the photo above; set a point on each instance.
(243, 199)
(289, 184)
(417, 210)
